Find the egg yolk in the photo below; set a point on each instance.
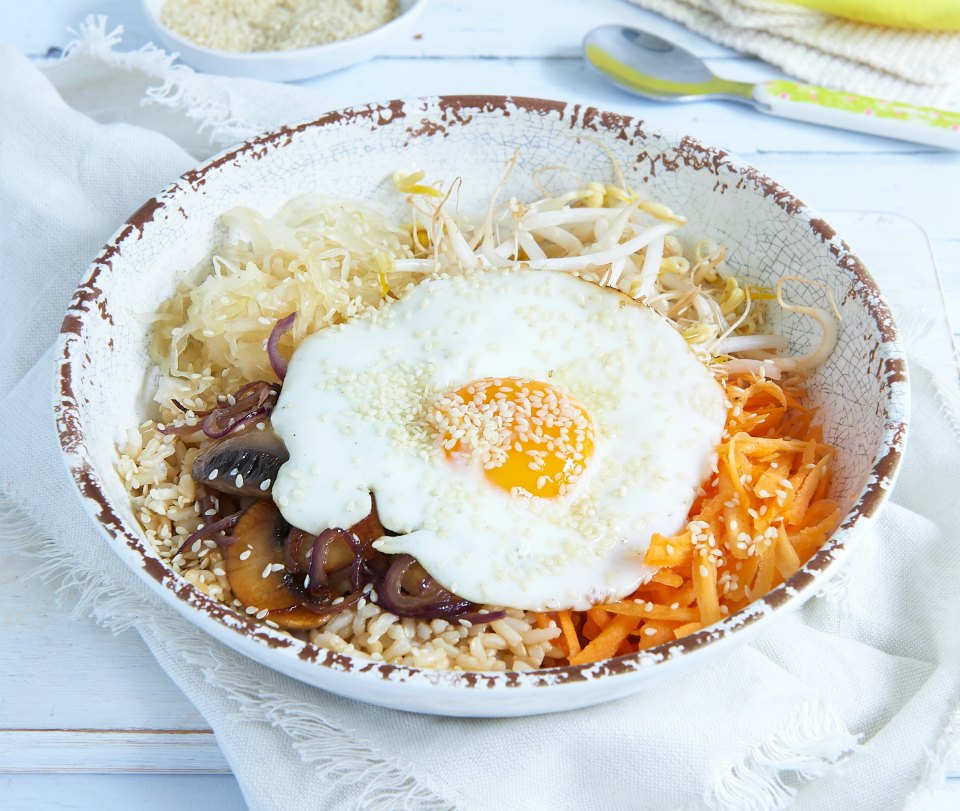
(529, 436)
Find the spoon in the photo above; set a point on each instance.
(654, 68)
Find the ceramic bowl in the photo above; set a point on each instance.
(286, 66)
(104, 381)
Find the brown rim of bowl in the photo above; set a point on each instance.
(88, 302)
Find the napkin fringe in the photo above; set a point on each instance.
(180, 88)
(810, 744)
(339, 758)
(81, 585)
(939, 757)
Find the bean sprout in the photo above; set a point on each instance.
(607, 233)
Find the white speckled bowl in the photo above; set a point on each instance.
(103, 380)
(286, 66)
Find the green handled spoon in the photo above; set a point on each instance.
(648, 66)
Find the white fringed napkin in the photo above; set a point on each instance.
(852, 702)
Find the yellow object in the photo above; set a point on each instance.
(922, 15)
(528, 434)
(410, 184)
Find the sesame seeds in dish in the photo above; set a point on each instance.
(245, 26)
(551, 435)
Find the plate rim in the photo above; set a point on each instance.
(261, 642)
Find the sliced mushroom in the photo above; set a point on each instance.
(245, 464)
(258, 565)
(261, 533)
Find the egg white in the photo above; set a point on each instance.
(353, 415)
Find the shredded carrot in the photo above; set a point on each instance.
(668, 578)
(766, 512)
(608, 640)
(654, 633)
(705, 586)
(687, 628)
(570, 638)
(824, 486)
(599, 616)
(766, 570)
(590, 630)
(788, 561)
(653, 611)
(667, 552)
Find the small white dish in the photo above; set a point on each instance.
(285, 66)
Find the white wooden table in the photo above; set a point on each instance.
(89, 720)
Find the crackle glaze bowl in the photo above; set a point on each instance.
(103, 377)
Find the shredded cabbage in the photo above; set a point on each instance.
(324, 258)
(330, 260)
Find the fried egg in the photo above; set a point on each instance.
(525, 434)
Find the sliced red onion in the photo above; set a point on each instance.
(263, 389)
(180, 430)
(209, 530)
(361, 572)
(252, 402)
(281, 328)
(318, 557)
(292, 548)
(434, 601)
(214, 428)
